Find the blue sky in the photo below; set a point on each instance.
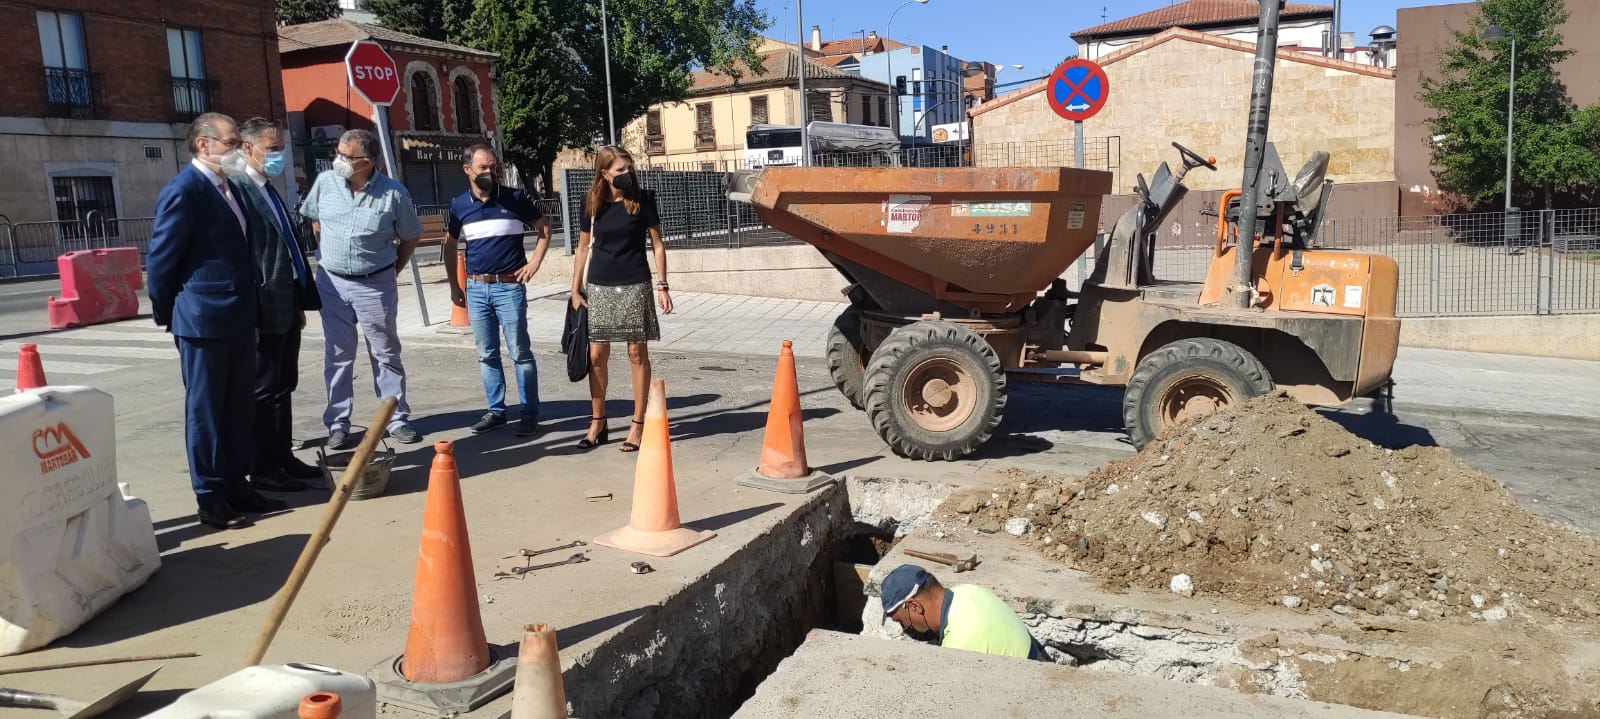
(1031, 32)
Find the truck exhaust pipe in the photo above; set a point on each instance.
(1255, 149)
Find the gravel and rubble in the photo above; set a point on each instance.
(1271, 503)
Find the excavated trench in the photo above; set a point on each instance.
(705, 650)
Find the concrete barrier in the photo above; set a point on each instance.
(1563, 336)
(72, 540)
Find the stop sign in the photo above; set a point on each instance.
(372, 72)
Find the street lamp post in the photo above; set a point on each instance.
(800, 69)
(888, 34)
(605, 42)
(1495, 32)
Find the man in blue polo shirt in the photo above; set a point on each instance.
(489, 220)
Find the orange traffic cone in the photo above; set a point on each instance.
(654, 527)
(321, 705)
(30, 370)
(783, 465)
(458, 315)
(446, 642)
(538, 693)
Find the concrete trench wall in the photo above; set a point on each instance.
(706, 648)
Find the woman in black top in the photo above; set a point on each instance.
(612, 276)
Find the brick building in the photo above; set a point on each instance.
(446, 102)
(95, 98)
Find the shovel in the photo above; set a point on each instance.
(70, 708)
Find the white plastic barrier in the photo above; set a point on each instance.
(72, 540)
(274, 692)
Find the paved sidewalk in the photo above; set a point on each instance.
(700, 322)
(741, 325)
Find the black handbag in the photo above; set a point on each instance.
(575, 342)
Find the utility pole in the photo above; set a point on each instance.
(800, 50)
(1255, 151)
(605, 42)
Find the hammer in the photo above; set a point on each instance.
(960, 564)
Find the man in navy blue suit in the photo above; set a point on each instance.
(202, 279)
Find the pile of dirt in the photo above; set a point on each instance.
(1271, 502)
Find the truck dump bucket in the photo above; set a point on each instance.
(980, 239)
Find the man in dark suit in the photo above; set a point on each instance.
(202, 280)
(285, 292)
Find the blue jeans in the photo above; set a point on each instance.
(495, 309)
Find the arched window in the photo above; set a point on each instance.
(424, 105)
(466, 101)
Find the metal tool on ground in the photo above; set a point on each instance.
(98, 662)
(547, 550)
(641, 568)
(956, 292)
(319, 538)
(517, 572)
(964, 563)
(70, 708)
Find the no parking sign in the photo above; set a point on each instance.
(1077, 89)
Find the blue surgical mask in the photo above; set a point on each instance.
(272, 163)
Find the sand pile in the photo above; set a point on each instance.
(1271, 503)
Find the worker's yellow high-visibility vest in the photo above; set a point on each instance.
(976, 620)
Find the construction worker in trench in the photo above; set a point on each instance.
(965, 616)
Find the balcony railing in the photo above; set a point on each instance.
(191, 97)
(655, 145)
(705, 140)
(71, 93)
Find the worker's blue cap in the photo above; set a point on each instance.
(903, 583)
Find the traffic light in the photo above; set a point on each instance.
(899, 85)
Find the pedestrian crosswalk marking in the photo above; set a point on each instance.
(58, 367)
(47, 350)
(153, 336)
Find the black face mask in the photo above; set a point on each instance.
(929, 637)
(625, 182)
(485, 181)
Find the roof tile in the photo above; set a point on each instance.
(1196, 14)
(337, 32)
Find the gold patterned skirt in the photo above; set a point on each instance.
(625, 313)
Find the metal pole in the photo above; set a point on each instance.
(1077, 144)
(605, 42)
(381, 117)
(1255, 149)
(800, 49)
(1338, 45)
(1511, 107)
(888, 35)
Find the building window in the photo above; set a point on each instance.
(819, 107)
(883, 111)
(466, 101)
(705, 133)
(424, 106)
(866, 110)
(655, 143)
(758, 110)
(83, 203)
(191, 96)
(68, 85)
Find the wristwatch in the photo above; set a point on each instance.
(661, 284)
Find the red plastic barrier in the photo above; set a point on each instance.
(97, 286)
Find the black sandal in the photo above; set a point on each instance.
(603, 436)
(629, 446)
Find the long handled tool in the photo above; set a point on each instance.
(319, 538)
(960, 564)
(70, 708)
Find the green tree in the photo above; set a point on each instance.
(551, 84)
(434, 19)
(1555, 149)
(295, 12)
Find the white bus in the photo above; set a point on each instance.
(832, 143)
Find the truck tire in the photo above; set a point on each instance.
(935, 391)
(1188, 379)
(847, 362)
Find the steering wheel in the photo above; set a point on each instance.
(1192, 159)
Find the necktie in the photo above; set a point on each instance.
(288, 235)
(227, 196)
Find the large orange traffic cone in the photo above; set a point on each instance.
(783, 465)
(538, 693)
(446, 642)
(30, 370)
(654, 527)
(458, 315)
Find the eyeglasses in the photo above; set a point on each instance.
(352, 158)
(230, 144)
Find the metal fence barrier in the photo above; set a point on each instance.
(31, 248)
(694, 207)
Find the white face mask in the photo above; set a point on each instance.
(343, 168)
(233, 162)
